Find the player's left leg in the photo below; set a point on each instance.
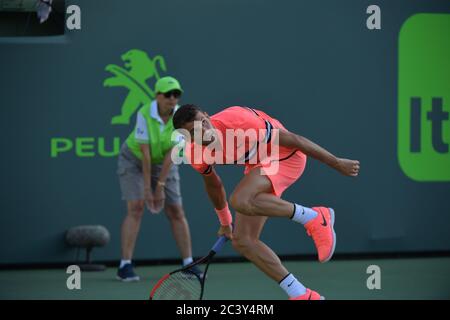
(246, 241)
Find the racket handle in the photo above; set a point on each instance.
(219, 244)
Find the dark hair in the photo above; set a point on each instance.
(186, 113)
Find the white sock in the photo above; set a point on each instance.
(124, 262)
(303, 214)
(292, 286)
(187, 261)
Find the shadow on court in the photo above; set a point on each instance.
(425, 278)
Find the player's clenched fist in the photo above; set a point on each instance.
(347, 167)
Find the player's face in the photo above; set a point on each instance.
(201, 131)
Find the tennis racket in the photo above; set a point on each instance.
(183, 284)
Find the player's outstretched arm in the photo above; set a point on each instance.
(217, 195)
(345, 166)
(215, 189)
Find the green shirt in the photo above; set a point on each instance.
(151, 129)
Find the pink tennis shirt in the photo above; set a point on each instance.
(248, 151)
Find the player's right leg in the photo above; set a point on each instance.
(259, 195)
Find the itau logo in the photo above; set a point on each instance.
(139, 68)
(424, 97)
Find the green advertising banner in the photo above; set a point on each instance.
(371, 84)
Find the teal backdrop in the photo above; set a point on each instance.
(314, 65)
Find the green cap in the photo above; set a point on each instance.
(167, 84)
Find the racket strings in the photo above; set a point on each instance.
(181, 285)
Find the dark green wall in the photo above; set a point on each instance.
(312, 64)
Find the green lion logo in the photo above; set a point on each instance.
(138, 69)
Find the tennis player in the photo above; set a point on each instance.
(267, 175)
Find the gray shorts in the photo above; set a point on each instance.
(129, 170)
